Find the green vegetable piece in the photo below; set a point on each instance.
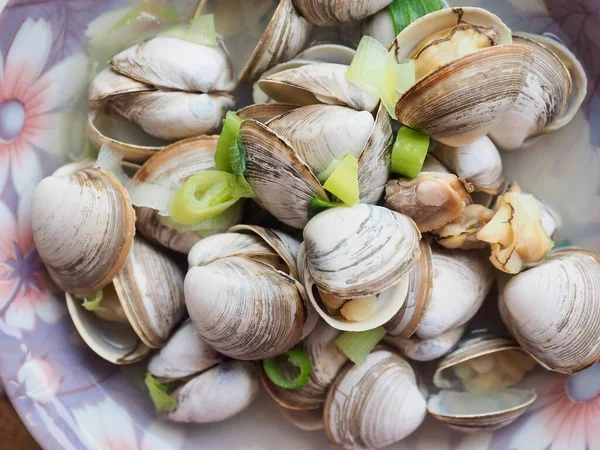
(227, 139)
(163, 402)
(357, 345)
(409, 152)
(203, 196)
(404, 12)
(343, 181)
(318, 205)
(297, 358)
(92, 302)
(200, 31)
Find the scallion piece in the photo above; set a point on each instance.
(227, 139)
(297, 358)
(318, 205)
(357, 345)
(201, 31)
(163, 402)
(409, 152)
(203, 196)
(404, 12)
(92, 302)
(343, 181)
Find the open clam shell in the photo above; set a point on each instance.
(419, 349)
(562, 295)
(109, 83)
(374, 405)
(264, 112)
(458, 103)
(85, 245)
(304, 419)
(332, 13)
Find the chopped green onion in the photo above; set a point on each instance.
(92, 302)
(297, 358)
(374, 70)
(343, 181)
(203, 196)
(409, 152)
(404, 12)
(201, 31)
(318, 205)
(357, 345)
(228, 138)
(163, 402)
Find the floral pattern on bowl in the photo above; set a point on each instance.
(70, 399)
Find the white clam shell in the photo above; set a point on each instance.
(374, 405)
(264, 112)
(304, 419)
(419, 349)
(109, 83)
(332, 13)
(553, 310)
(185, 354)
(217, 394)
(360, 250)
(83, 227)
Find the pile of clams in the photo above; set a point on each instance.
(329, 305)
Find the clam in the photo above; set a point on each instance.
(355, 263)
(462, 231)
(171, 167)
(468, 74)
(321, 53)
(449, 288)
(285, 157)
(138, 309)
(552, 310)
(478, 163)
(304, 419)
(326, 13)
(553, 93)
(258, 35)
(83, 227)
(374, 405)
(431, 199)
(419, 349)
(216, 394)
(327, 361)
(264, 112)
(242, 294)
(477, 382)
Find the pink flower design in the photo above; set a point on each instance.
(39, 379)
(30, 102)
(566, 415)
(25, 288)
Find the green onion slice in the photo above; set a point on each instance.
(343, 181)
(409, 152)
(92, 302)
(374, 70)
(357, 345)
(203, 196)
(318, 205)
(297, 358)
(163, 402)
(404, 12)
(201, 31)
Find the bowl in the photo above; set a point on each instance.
(71, 399)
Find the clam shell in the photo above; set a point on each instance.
(83, 227)
(374, 405)
(264, 112)
(285, 35)
(543, 99)
(478, 163)
(304, 419)
(317, 83)
(109, 83)
(420, 285)
(360, 250)
(185, 354)
(461, 282)
(150, 287)
(244, 308)
(419, 349)
(217, 394)
(173, 63)
(473, 413)
(332, 13)
(380, 26)
(173, 115)
(122, 135)
(327, 361)
(553, 310)
(283, 183)
(225, 245)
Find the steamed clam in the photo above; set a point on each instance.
(419, 349)
(476, 383)
(464, 57)
(553, 92)
(327, 13)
